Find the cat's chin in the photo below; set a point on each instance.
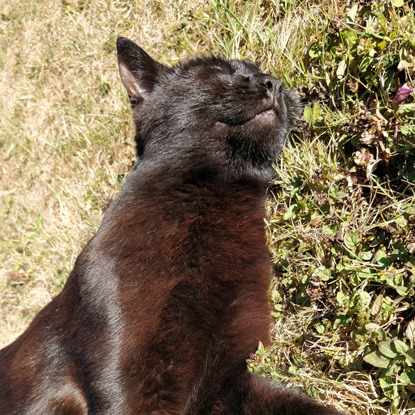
(268, 117)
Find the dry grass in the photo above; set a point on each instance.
(65, 137)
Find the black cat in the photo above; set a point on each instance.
(169, 299)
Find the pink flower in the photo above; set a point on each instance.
(402, 93)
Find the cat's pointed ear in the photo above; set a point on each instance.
(139, 72)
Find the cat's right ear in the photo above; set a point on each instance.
(139, 71)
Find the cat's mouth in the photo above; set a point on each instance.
(266, 116)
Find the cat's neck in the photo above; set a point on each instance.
(202, 168)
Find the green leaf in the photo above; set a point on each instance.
(311, 114)
(408, 376)
(388, 386)
(366, 272)
(325, 274)
(350, 35)
(364, 299)
(386, 349)
(315, 52)
(371, 326)
(392, 369)
(382, 258)
(402, 291)
(261, 350)
(404, 130)
(351, 240)
(382, 45)
(307, 115)
(377, 305)
(291, 212)
(410, 210)
(366, 256)
(400, 346)
(330, 230)
(341, 321)
(354, 300)
(401, 221)
(407, 108)
(341, 298)
(376, 359)
(316, 111)
(410, 357)
(321, 329)
(398, 3)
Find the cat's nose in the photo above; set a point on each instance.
(267, 81)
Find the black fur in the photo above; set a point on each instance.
(169, 299)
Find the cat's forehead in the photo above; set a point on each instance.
(218, 65)
(244, 66)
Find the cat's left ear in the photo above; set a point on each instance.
(139, 71)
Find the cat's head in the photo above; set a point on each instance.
(224, 113)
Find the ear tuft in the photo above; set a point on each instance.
(139, 71)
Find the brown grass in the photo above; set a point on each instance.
(65, 137)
